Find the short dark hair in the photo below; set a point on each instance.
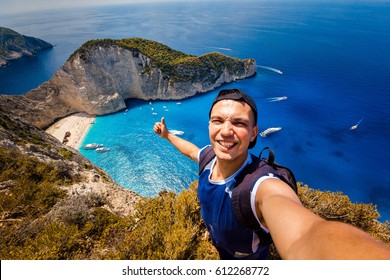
(238, 95)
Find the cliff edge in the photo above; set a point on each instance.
(102, 74)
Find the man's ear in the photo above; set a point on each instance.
(255, 132)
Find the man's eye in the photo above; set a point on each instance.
(240, 124)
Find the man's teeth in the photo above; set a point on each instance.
(226, 144)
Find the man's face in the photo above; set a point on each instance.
(231, 129)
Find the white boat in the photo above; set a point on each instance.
(102, 149)
(176, 132)
(269, 130)
(92, 146)
(356, 125)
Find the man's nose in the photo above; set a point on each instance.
(227, 128)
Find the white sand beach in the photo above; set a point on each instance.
(71, 130)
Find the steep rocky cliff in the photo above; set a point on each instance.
(14, 45)
(102, 74)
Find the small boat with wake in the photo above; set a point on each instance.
(102, 149)
(274, 99)
(92, 146)
(176, 132)
(269, 130)
(356, 125)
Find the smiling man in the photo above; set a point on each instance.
(297, 232)
(232, 129)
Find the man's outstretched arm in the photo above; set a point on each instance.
(298, 233)
(185, 147)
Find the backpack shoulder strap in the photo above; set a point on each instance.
(205, 157)
(241, 197)
(282, 172)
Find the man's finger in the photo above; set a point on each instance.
(163, 120)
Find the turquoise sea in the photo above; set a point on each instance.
(322, 67)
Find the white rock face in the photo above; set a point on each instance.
(98, 82)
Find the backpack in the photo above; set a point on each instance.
(240, 200)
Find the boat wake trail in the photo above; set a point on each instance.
(222, 49)
(275, 99)
(271, 69)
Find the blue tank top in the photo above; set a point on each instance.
(225, 231)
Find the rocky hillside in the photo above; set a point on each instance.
(102, 74)
(14, 45)
(30, 157)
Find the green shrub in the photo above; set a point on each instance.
(32, 190)
(67, 154)
(336, 206)
(165, 227)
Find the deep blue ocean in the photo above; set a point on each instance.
(331, 61)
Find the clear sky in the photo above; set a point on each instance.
(16, 6)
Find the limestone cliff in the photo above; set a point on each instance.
(14, 45)
(102, 74)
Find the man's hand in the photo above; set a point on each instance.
(185, 147)
(161, 129)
